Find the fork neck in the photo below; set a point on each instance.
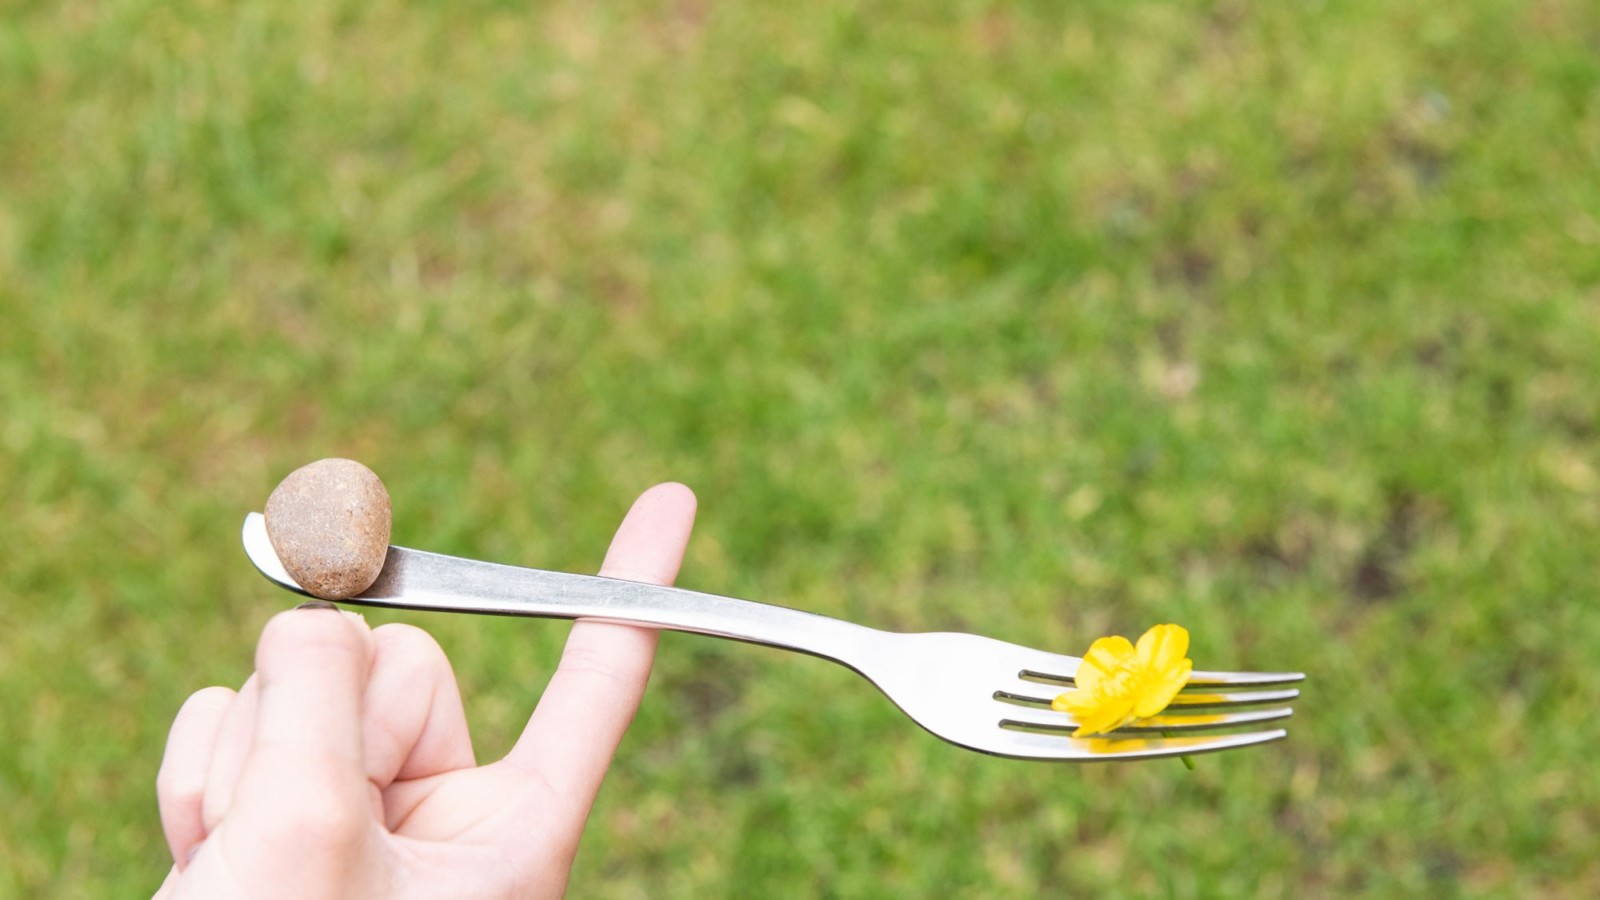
(742, 620)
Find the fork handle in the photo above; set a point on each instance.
(416, 579)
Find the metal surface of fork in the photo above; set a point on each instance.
(973, 691)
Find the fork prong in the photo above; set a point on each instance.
(1232, 698)
(1032, 691)
(1032, 745)
(1242, 679)
(1196, 679)
(1056, 721)
(1037, 693)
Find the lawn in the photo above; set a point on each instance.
(1040, 320)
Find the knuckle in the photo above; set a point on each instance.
(409, 643)
(303, 631)
(182, 775)
(216, 695)
(591, 663)
(179, 785)
(204, 705)
(322, 822)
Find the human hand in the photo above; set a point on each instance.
(343, 767)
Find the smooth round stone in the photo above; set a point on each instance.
(329, 523)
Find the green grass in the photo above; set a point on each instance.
(1043, 320)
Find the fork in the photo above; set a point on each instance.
(973, 691)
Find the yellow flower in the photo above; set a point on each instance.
(1118, 682)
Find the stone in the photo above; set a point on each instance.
(329, 522)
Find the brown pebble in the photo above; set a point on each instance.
(329, 523)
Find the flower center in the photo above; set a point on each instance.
(1124, 682)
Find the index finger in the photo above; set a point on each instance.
(596, 690)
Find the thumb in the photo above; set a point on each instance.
(303, 787)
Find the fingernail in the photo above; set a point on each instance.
(317, 604)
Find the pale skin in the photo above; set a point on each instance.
(343, 768)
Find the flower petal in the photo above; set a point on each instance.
(1163, 646)
(1104, 657)
(1108, 717)
(1082, 706)
(1162, 687)
(1078, 703)
(1108, 652)
(1094, 714)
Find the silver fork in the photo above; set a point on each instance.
(972, 691)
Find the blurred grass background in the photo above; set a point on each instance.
(1042, 320)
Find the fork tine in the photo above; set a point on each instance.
(1233, 698)
(1242, 679)
(1030, 745)
(1047, 719)
(1037, 693)
(1031, 691)
(1196, 679)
